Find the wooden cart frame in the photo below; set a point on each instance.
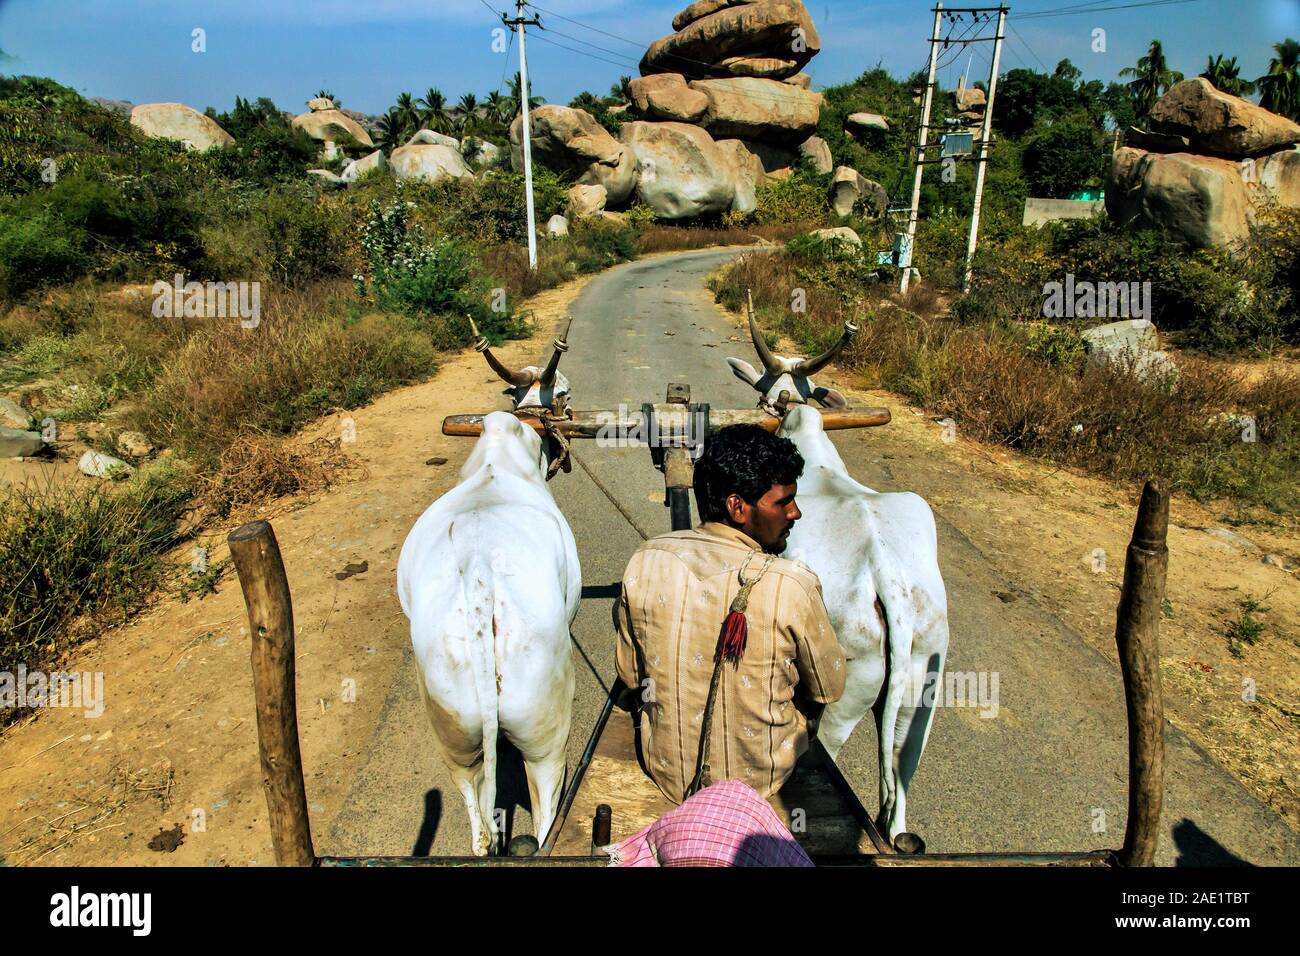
(675, 426)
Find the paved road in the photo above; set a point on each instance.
(1041, 774)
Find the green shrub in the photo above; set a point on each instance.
(36, 252)
(799, 198)
(70, 551)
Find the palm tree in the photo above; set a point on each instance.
(534, 101)
(1280, 86)
(392, 129)
(586, 101)
(326, 94)
(496, 108)
(621, 91)
(407, 110)
(1225, 75)
(466, 111)
(434, 110)
(1151, 79)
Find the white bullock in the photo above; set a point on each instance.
(490, 580)
(877, 558)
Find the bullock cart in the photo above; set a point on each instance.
(608, 796)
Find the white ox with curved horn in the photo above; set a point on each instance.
(878, 561)
(532, 386)
(490, 580)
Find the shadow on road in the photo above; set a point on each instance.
(429, 824)
(1198, 848)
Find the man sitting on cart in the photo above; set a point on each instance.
(717, 633)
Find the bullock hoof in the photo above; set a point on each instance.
(522, 846)
(909, 844)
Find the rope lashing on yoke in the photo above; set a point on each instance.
(732, 638)
(561, 460)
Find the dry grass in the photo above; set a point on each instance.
(304, 359)
(258, 468)
(999, 388)
(659, 238)
(92, 812)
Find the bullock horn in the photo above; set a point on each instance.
(481, 345)
(770, 364)
(809, 366)
(561, 344)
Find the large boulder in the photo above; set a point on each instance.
(850, 190)
(970, 100)
(316, 104)
(1279, 176)
(753, 108)
(177, 121)
(702, 8)
(428, 162)
(818, 153)
(19, 443)
(838, 234)
(359, 167)
(433, 138)
(331, 126)
(681, 172)
(481, 154)
(13, 415)
(772, 39)
(1133, 344)
(586, 201)
(1203, 199)
(570, 140)
(863, 122)
(1218, 122)
(746, 171)
(666, 96)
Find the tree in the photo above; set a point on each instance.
(496, 108)
(1069, 155)
(1280, 86)
(534, 101)
(326, 94)
(1151, 79)
(1117, 101)
(391, 129)
(621, 92)
(407, 110)
(433, 110)
(586, 101)
(1225, 75)
(466, 111)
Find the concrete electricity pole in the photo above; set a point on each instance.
(985, 133)
(905, 257)
(519, 22)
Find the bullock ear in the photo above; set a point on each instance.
(744, 371)
(830, 397)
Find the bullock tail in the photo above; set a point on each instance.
(480, 637)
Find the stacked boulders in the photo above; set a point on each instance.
(971, 103)
(1208, 166)
(732, 69)
(720, 108)
(329, 124)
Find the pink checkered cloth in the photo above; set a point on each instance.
(727, 824)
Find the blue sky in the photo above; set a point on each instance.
(367, 51)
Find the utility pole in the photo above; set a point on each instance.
(986, 130)
(905, 254)
(519, 22)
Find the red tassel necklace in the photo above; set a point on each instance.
(731, 647)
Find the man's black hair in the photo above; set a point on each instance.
(745, 460)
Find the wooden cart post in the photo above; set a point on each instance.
(1137, 626)
(270, 621)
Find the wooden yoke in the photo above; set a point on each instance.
(1137, 634)
(671, 418)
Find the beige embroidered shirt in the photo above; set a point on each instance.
(677, 590)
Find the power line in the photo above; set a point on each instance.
(1074, 11)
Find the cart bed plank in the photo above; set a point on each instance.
(828, 824)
